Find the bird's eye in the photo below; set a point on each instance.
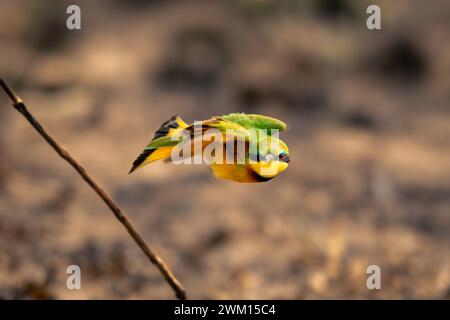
(283, 156)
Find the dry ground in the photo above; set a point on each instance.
(369, 133)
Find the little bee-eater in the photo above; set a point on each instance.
(245, 148)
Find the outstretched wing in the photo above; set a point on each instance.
(226, 127)
(254, 121)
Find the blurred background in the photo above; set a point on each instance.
(368, 129)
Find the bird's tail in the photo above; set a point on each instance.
(162, 143)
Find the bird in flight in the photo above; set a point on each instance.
(239, 147)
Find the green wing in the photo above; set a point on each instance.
(254, 121)
(166, 141)
(225, 126)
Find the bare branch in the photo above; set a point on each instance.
(151, 255)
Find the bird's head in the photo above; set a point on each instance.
(272, 157)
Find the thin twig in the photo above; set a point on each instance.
(151, 255)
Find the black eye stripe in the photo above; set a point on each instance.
(258, 157)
